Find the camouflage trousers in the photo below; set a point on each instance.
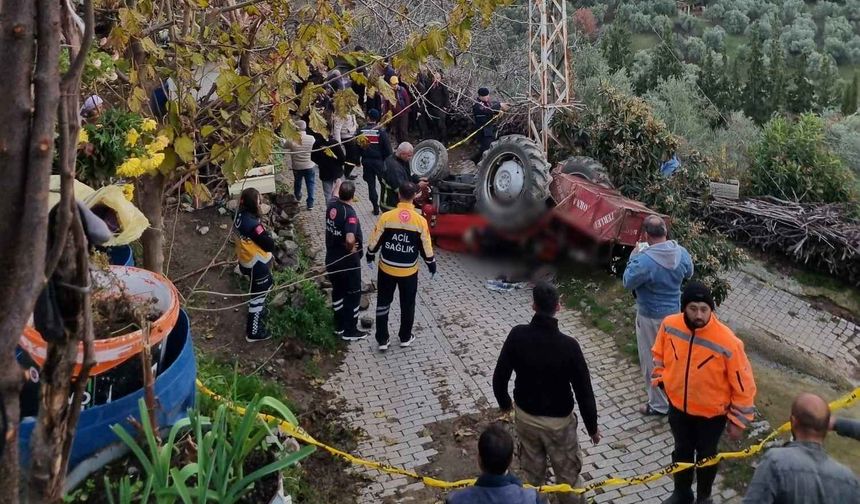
(536, 444)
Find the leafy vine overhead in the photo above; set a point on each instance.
(225, 78)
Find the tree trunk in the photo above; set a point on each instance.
(54, 432)
(27, 121)
(150, 194)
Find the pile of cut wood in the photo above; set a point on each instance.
(823, 237)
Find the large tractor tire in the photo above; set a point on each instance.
(513, 183)
(588, 168)
(430, 161)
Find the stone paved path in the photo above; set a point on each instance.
(460, 328)
(755, 305)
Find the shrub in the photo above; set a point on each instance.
(686, 23)
(843, 138)
(824, 10)
(792, 161)
(735, 22)
(728, 148)
(715, 12)
(664, 7)
(838, 28)
(837, 48)
(791, 9)
(799, 37)
(585, 23)
(662, 24)
(695, 50)
(684, 110)
(302, 311)
(715, 38)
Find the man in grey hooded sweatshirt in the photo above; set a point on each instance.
(655, 275)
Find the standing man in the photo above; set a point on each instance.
(399, 109)
(330, 166)
(801, 472)
(550, 370)
(300, 161)
(484, 110)
(375, 149)
(437, 111)
(655, 275)
(702, 367)
(402, 234)
(343, 245)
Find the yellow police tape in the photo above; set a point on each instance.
(299, 434)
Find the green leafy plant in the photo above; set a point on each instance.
(301, 310)
(793, 161)
(223, 450)
(106, 146)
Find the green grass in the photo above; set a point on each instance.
(642, 41)
(829, 287)
(238, 385)
(734, 43)
(603, 303)
(846, 72)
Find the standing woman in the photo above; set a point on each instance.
(254, 248)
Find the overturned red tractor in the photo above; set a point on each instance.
(516, 199)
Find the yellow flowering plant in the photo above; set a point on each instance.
(146, 148)
(120, 144)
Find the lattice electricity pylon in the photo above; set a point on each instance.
(550, 75)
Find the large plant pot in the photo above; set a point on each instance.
(174, 389)
(118, 370)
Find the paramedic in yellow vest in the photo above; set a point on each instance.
(401, 236)
(254, 247)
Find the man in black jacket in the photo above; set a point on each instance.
(548, 364)
(375, 148)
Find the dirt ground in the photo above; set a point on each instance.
(458, 454)
(219, 335)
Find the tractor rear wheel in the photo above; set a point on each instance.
(513, 183)
(588, 168)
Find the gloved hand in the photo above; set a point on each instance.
(370, 266)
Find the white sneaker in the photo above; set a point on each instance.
(404, 344)
(383, 347)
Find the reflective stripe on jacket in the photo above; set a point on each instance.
(402, 235)
(704, 372)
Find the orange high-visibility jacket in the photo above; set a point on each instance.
(704, 373)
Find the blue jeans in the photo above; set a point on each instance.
(309, 176)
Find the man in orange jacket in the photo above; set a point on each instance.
(702, 367)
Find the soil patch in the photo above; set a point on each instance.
(456, 441)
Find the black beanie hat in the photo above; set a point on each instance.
(697, 292)
(373, 114)
(483, 92)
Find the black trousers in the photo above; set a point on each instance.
(345, 298)
(696, 438)
(353, 155)
(408, 287)
(484, 143)
(372, 174)
(261, 281)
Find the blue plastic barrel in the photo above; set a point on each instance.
(174, 388)
(121, 255)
